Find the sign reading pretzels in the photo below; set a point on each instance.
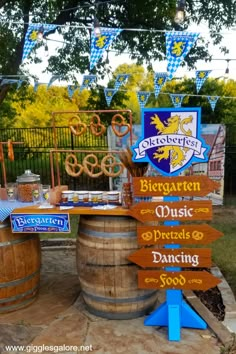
(91, 166)
(76, 126)
(117, 123)
(109, 166)
(73, 168)
(96, 127)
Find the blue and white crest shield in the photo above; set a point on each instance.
(171, 139)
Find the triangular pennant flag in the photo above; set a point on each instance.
(178, 45)
(159, 81)
(71, 89)
(53, 78)
(121, 80)
(101, 42)
(201, 76)
(88, 80)
(176, 99)
(8, 81)
(36, 85)
(143, 96)
(213, 100)
(109, 93)
(32, 36)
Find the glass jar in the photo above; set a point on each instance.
(27, 185)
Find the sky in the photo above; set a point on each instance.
(218, 67)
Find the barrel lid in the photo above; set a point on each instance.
(28, 176)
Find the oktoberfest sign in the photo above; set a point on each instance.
(171, 139)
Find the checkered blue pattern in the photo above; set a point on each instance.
(8, 81)
(100, 43)
(88, 80)
(201, 76)
(7, 207)
(143, 96)
(213, 100)
(159, 81)
(109, 93)
(36, 86)
(121, 80)
(71, 89)
(177, 99)
(31, 36)
(178, 45)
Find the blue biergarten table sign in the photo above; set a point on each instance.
(171, 143)
(40, 223)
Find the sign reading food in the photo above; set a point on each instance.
(40, 223)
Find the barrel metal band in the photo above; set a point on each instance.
(17, 306)
(19, 296)
(118, 301)
(19, 281)
(19, 240)
(117, 315)
(109, 235)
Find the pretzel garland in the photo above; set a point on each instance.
(71, 167)
(119, 121)
(89, 167)
(76, 126)
(96, 127)
(109, 165)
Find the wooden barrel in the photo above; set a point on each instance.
(20, 259)
(108, 280)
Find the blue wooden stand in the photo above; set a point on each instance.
(174, 313)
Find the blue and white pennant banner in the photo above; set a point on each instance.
(159, 81)
(177, 99)
(201, 76)
(88, 80)
(101, 42)
(109, 93)
(178, 45)
(143, 96)
(31, 37)
(71, 89)
(213, 100)
(121, 80)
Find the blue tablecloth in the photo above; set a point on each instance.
(6, 208)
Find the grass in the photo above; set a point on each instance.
(224, 249)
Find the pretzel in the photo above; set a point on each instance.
(96, 127)
(76, 126)
(93, 164)
(72, 167)
(109, 165)
(119, 121)
(10, 150)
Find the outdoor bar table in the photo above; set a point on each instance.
(106, 237)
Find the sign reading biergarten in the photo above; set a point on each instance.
(171, 143)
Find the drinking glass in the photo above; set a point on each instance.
(46, 194)
(11, 191)
(37, 193)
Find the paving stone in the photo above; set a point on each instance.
(57, 293)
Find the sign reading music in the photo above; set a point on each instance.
(181, 211)
(178, 234)
(174, 186)
(184, 280)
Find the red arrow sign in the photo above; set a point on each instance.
(174, 186)
(181, 257)
(186, 280)
(182, 234)
(181, 211)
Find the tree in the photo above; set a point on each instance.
(74, 16)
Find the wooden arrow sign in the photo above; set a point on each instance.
(184, 280)
(163, 257)
(174, 186)
(181, 211)
(182, 234)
